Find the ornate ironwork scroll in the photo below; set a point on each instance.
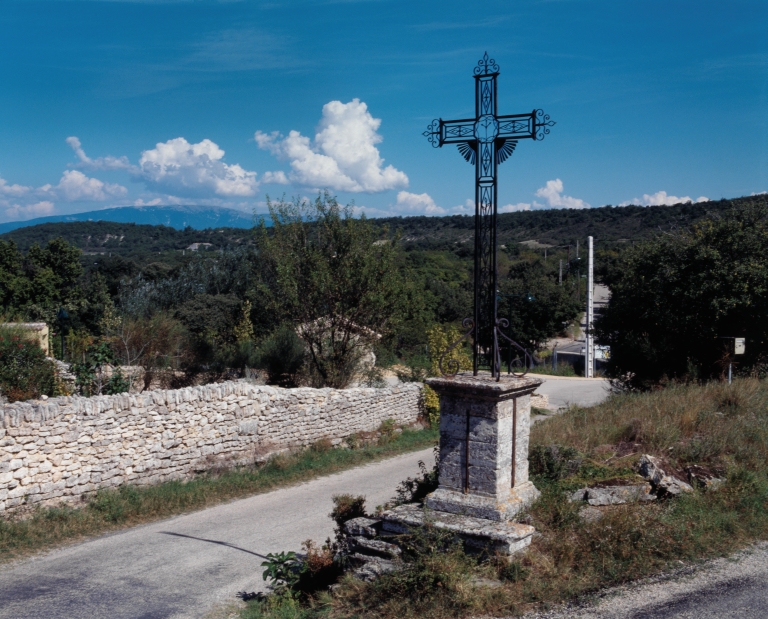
(486, 141)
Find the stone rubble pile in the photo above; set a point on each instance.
(664, 482)
(661, 481)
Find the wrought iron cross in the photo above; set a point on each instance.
(485, 141)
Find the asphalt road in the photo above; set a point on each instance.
(187, 565)
(563, 391)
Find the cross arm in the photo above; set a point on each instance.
(534, 125)
(441, 131)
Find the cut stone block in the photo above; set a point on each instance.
(478, 534)
(614, 494)
(518, 499)
(367, 527)
(484, 431)
(376, 547)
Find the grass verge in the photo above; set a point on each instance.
(131, 505)
(721, 427)
(563, 369)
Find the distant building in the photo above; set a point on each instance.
(196, 246)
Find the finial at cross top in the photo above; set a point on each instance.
(486, 66)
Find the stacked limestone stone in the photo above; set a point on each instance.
(63, 448)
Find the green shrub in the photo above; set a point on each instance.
(346, 507)
(553, 461)
(25, 371)
(282, 355)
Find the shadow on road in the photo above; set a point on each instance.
(214, 541)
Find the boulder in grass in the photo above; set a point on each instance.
(703, 477)
(614, 492)
(663, 476)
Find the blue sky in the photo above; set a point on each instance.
(107, 102)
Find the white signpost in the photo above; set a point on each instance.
(589, 348)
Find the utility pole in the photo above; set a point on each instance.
(561, 272)
(589, 349)
(577, 248)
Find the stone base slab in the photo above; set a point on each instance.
(489, 508)
(478, 534)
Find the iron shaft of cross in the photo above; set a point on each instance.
(486, 141)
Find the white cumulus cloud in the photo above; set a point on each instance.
(468, 208)
(279, 177)
(343, 156)
(39, 209)
(417, 203)
(661, 198)
(13, 191)
(552, 192)
(515, 208)
(74, 185)
(101, 163)
(192, 169)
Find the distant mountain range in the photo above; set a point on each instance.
(179, 217)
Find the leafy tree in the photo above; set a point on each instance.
(14, 286)
(674, 296)
(282, 355)
(91, 373)
(229, 273)
(333, 276)
(534, 303)
(54, 271)
(158, 344)
(25, 371)
(212, 318)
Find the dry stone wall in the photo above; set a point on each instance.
(64, 448)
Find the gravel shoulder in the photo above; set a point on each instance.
(735, 587)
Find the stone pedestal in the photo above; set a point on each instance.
(484, 431)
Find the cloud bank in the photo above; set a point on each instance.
(101, 163)
(661, 198)
(343, 156)
(177, 166)
(421, 203)
(408, 203)
(552, 192)
(553, 195)
(39, 209)
(75, 186)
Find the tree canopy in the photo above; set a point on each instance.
(675, 296)
(331, 275)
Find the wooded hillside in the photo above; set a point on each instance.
(608, 224)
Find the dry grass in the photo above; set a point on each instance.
(713, 423)
(721, 426)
